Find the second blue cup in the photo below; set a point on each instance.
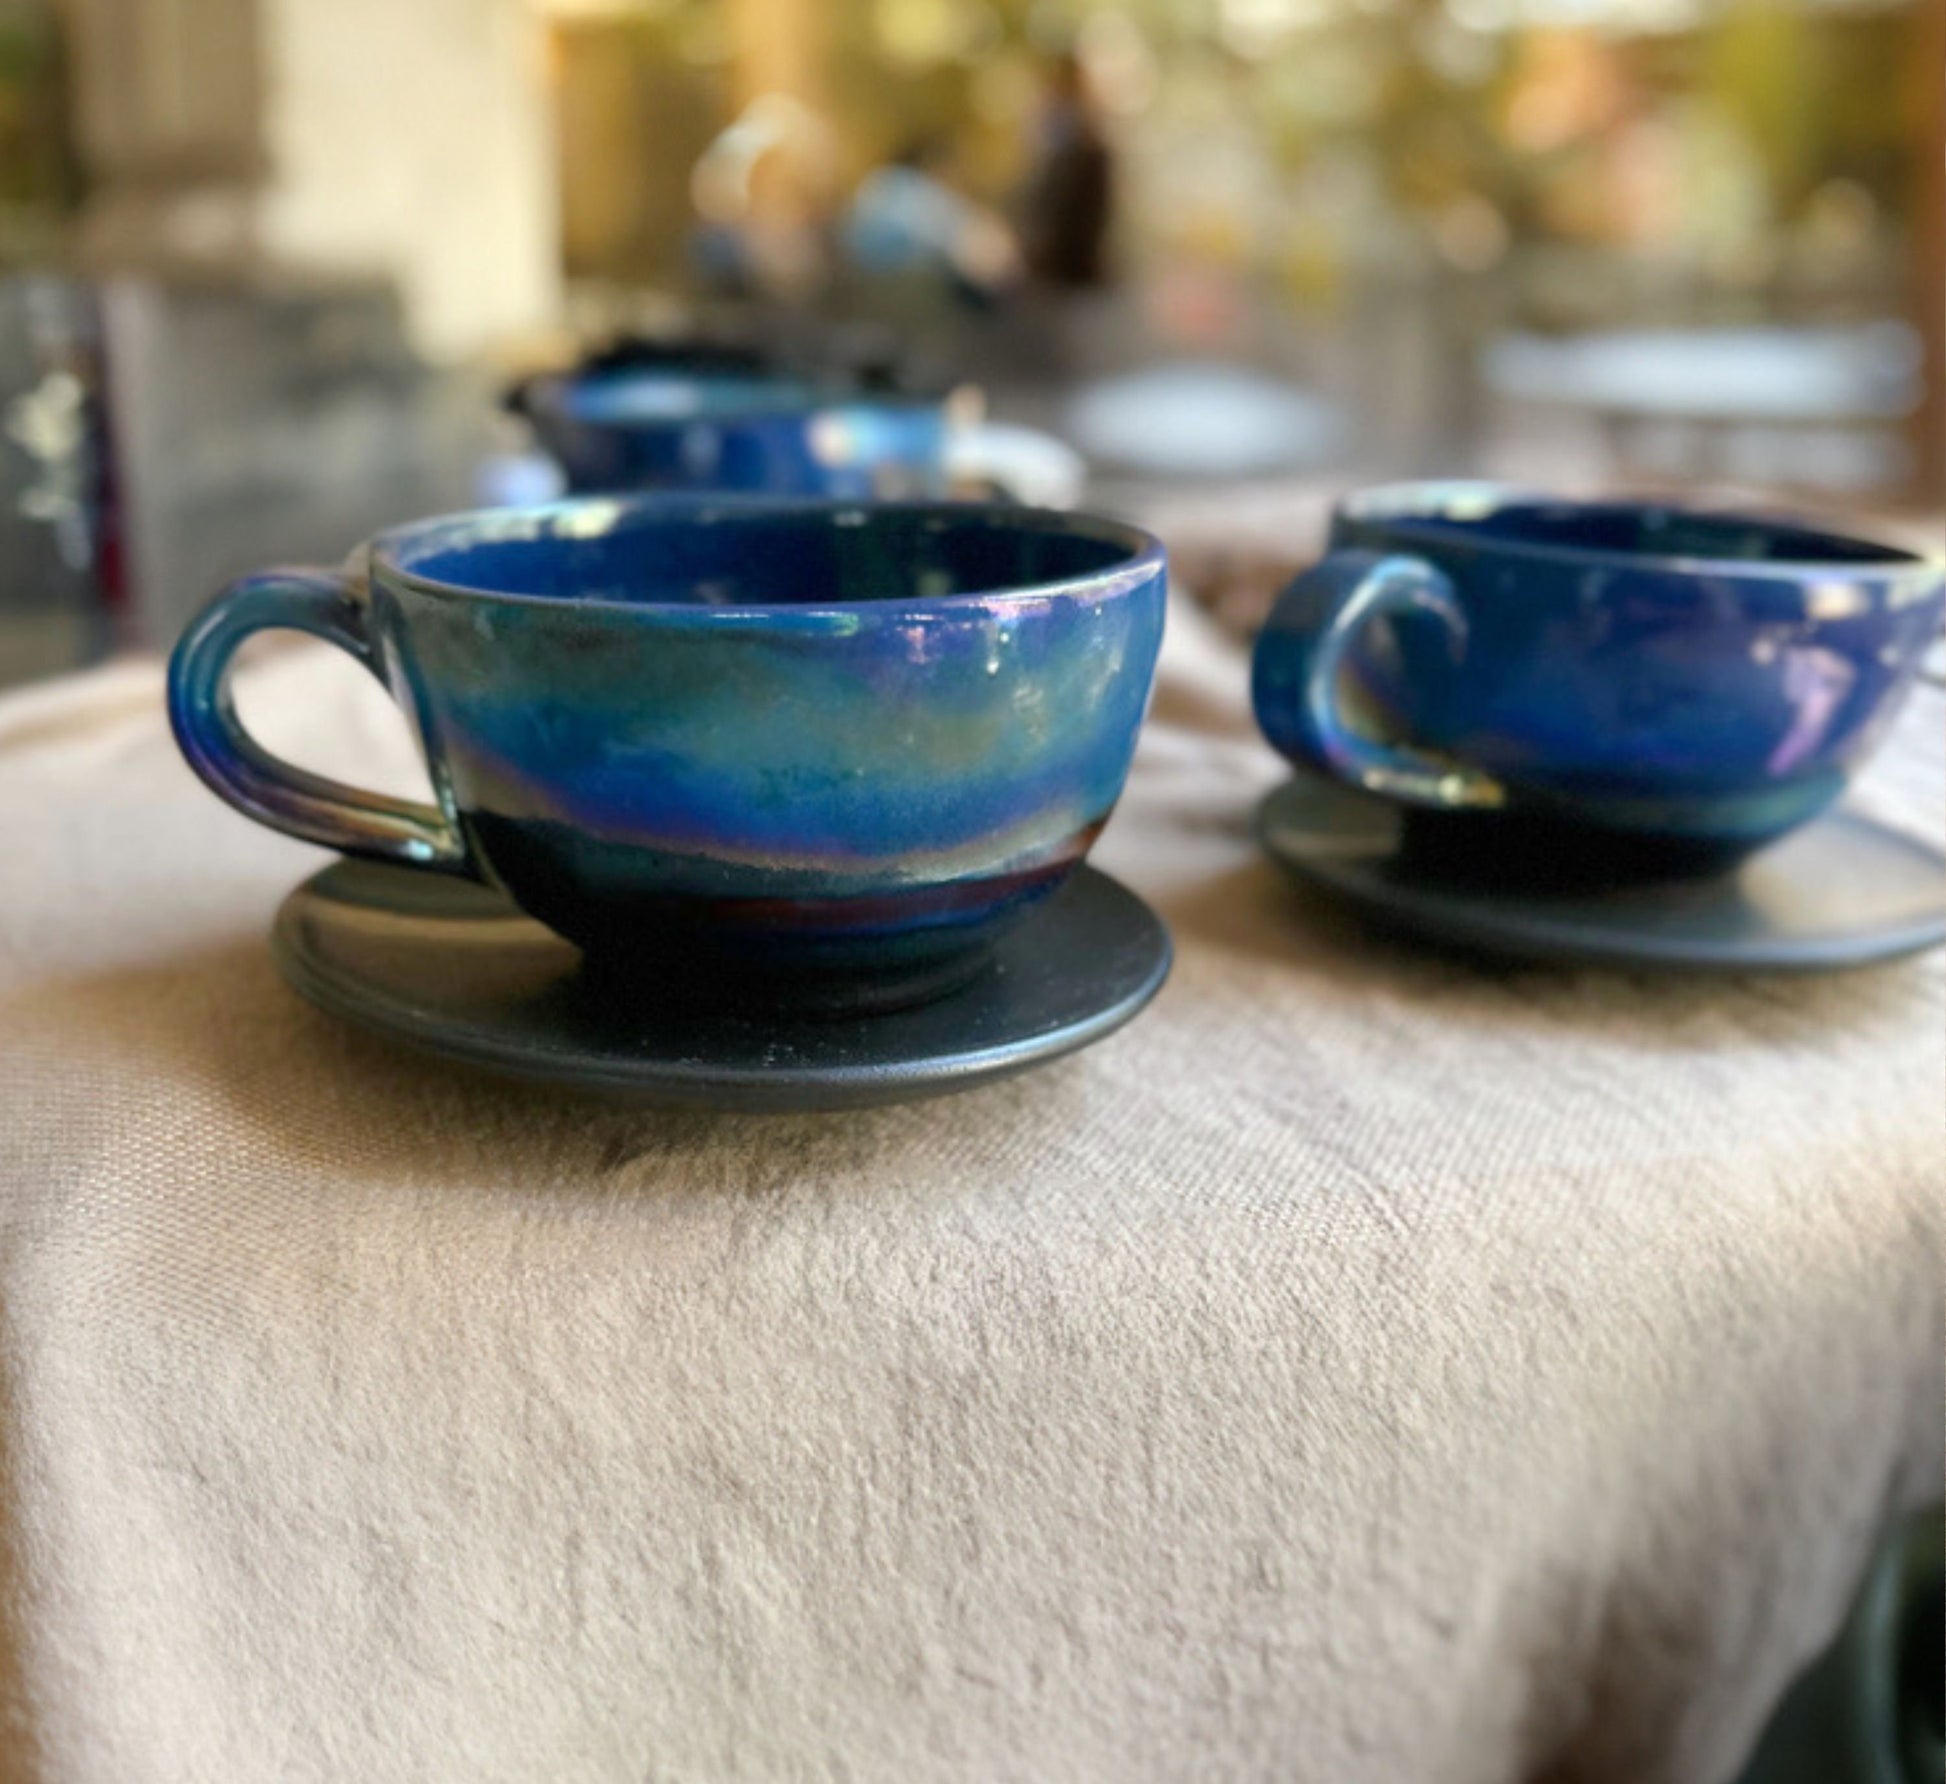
(1644, 674)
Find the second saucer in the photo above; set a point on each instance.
(1844, 890)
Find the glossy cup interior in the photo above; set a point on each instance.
(756, 556)
(1659, 533)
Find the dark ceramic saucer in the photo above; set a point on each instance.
(1843, 890)
(454, 969)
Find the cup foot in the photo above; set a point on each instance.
(1528, 851)
(613, 976)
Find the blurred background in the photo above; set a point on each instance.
(267, 266)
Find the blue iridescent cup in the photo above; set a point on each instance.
(1643, 674)
(829, 750)
(723, 420)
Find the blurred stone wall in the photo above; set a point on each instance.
(410, 142)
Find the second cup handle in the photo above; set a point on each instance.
(1301, 654)
(203, 714)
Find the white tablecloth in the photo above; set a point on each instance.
(1366, 1367)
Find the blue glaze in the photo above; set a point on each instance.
(772, 736)
(666, 426)
(1661, 674)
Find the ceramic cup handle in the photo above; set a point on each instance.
(1301, 653)
(202, 712)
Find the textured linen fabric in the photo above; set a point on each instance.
(1367, 1367)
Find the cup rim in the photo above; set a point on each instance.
(1146, 555)
(1874, 555)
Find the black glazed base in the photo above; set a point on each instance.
(802, 950)
(452, 968)
(1534, 852)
